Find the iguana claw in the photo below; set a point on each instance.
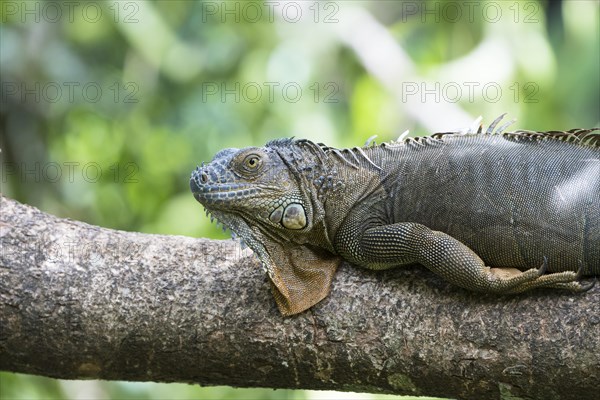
(579, 276)
(542, 270)
(580, 271)
(588, 286)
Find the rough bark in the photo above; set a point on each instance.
(79, 301)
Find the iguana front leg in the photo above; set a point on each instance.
(405, 243)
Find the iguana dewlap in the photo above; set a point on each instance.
(483, 210)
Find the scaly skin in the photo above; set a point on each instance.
(487, 211)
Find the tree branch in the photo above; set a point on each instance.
(79, 301)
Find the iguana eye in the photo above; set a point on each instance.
(252, 162)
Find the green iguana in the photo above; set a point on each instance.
(488, 211)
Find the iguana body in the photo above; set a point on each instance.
(457, 203)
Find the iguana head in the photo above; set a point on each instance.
(254, 185)
(267, 196)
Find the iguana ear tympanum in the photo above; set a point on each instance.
(488, 211)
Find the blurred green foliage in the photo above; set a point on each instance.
(108, 105)
(30, 387)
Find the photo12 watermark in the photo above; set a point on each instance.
(470, 11)
(270, 92)
(325, 12)
(92, 12)
(67, 250)
(468, 92)
(75, 249)
(68, 92)
(69, 172)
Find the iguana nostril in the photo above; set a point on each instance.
(194, 186)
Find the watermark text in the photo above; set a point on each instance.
(70, 92)
(270, 92)
(69, 172)
(453, 92)
(69, 11)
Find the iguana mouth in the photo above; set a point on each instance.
(207, 192)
